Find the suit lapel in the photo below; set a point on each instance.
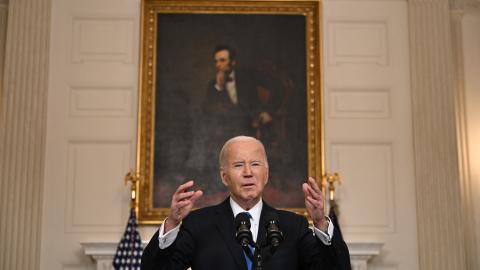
(262, 232)
(267, 253)
(225, 225)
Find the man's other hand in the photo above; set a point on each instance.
(314, 199)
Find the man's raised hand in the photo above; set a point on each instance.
(221, 79)
(182, 203)
(314, 200)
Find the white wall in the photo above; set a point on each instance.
(368, 125)
(471, 50)
(91, 126)
(92, 115)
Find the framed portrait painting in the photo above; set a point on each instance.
(212, 70)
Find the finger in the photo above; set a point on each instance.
(318, 201)
(196, 196)
(311, 195)
(315, 203)
(192, 198)
(184, 195)
(189, 201)
(315, 190)
(184, 187)
(316, 195)
(221, 76)
(313, 209)
(182, 204)
(314, 184)
(306, 189)
(309, 205)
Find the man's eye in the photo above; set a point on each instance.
(256, 164)
(237, 165)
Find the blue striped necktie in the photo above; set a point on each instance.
(247, 259)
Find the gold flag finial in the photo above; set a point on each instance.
(134, 179)
(330, 180)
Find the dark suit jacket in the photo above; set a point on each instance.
(207, 241)
(225, 118)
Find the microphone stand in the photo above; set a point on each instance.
(274, 238)
(257, 258)
(244, 237)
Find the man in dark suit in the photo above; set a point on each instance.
(231, 106)
(205, 238)
(231, 103)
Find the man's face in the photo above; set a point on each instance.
(223, 62)
(245, 172)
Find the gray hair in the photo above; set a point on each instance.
(224, 152)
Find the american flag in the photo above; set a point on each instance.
(129, 250)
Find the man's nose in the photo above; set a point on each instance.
(247, 170)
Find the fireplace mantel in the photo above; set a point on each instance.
(102, 253)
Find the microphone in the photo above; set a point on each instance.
(243, 234)
(274, 234)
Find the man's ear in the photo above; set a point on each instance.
(266, 180)
(223, 176)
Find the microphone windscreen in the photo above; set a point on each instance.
(242, 218)
(271, 216)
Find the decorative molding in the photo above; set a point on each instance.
(23, 111)
(70, 266)
(102, 253)
(461, 121)
(102, 39)
(361, 177)
(101, 101)
(362, 252)
(438, 193)
(369, 36)
(353, 102)
(95, 181)
(464, 5)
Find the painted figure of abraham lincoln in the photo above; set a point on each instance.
(220, 76)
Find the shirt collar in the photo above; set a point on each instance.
(255, 211)
(231, 77)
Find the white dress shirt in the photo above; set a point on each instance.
(166, 239)
(255, 212)
(230, 87)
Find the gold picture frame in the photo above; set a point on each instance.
(163, 65)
